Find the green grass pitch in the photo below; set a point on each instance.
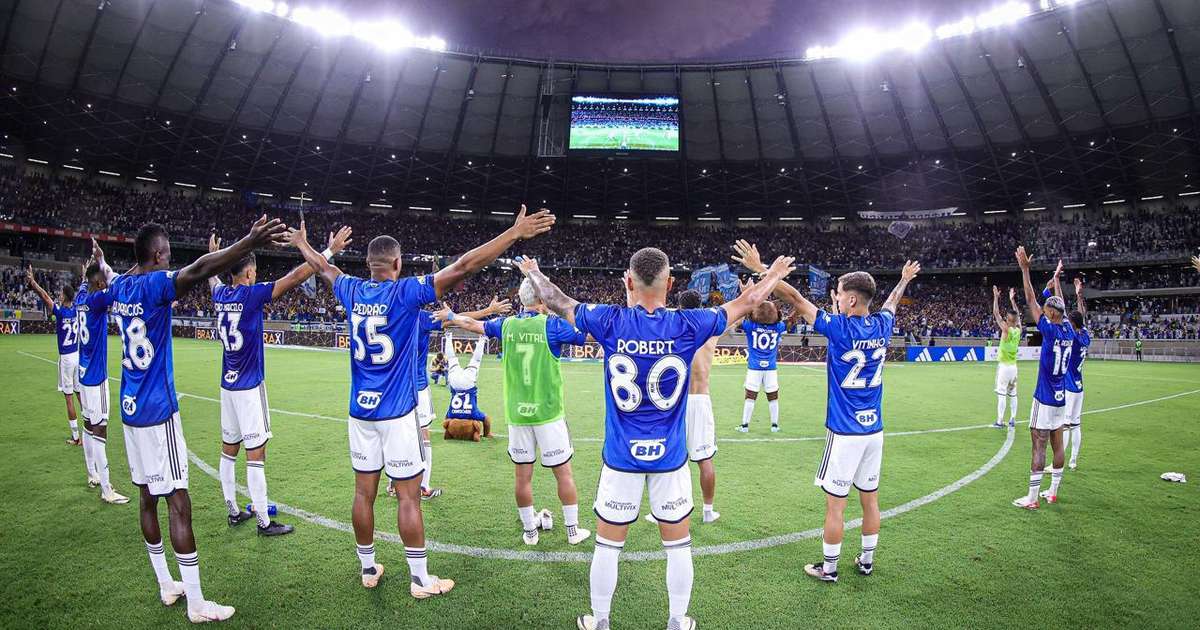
(1117, 550)
(635, 139)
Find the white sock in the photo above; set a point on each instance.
(1055, 479)
(428, 464)
(528, 518)
(74, 429)
(1012, 408)
(189, 574)
(773, 405)
(571, 518)
(366, 556)
(1077, 434)
(417, 558)
(87, 453)
(747, 411)
(100, 461)
(868, 548)
(228, 474)
(679, 575)
(708, 509)
(1035, 485)
(158, 560)
(1000, 401)
(256, 482)
(1066, 438)
(603, 576)
(832, 553)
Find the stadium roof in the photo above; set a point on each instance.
(1061, 107)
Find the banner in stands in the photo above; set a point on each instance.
(908, 214)
(10, 327)
(947, 353)
(818, 282)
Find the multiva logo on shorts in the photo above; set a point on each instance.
(368, 399)
(648, 450)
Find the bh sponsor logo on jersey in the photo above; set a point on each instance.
(528, 409)
(369, 399)
(231, 376)
(648, 450)
(128, 405)
(867, 417)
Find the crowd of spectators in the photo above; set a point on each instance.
(586, 257)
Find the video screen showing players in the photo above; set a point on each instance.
(615, 123)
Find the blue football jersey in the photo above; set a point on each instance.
(559, 332)
(1079, 350)
(240, 325)
(91, 308)
(854, 367)
(464, 405)
(383, 322)
(647, 366)
(426, 325)
(762, 343)
(67, 328)
(142, 307)
(1057, 342)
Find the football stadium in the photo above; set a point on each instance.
(599, 314)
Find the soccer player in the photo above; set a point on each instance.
(92, 304)
(67, 329)
(1009, 325)
(648, 350)
(245, 414)
(701, 423)
(1137, 348)
(1073, 432)
(425, 414)
(858, 342)
(437, 369)
(531, 344)
(1049, 398)
(762, 328)
(154, 442)
(383, 314)
(464, 392)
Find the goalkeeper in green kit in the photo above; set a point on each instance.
(531, 343)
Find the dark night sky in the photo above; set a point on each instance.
(653, 30)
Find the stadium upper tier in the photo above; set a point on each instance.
(1082, 104)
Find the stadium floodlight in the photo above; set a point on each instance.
(1189, 194)
(965, 26)
(219, 189)
(36, 161)
(1035, 209)
(1152, 198)
(146, 179)
(460, 211)
(958, 214)
(837, 218)
(994, 211)
(380, 205)
(281, 9)
(749, 219)
(262, 194)
(1111, 202)
(583, 216)
(1003, 15)
(502, 213)
(73, 167)
(388, 35)
(339, 202)
(109, 173)
(791, 218)
(666, 218)
(6, 155)
(266, 6)
(1075, 205)
(326, 22)
(185, 184)
(422, 208)
(708, 218)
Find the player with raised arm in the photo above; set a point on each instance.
(648, 351)
(763, 328)
(425, 412)
(1072, 431)
(66, 328)
(383, 314)
(245, 414)
(531, 344)
(1049, 398)
(858, 343)
(1009, 325)
(92, 304)
(154, 442)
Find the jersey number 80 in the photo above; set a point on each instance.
(622, 381)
